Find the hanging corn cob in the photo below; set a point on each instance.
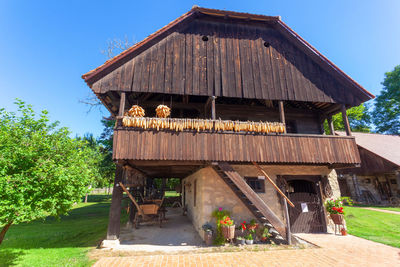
(136, 111)
(202, 125)
(163, 111)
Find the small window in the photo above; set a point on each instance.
(256, 183)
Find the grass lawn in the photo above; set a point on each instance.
(374, 225)
(171, 194)
(63, 242)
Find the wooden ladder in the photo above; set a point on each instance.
(251, 200)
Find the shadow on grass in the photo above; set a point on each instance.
(85, 226)
(9, 257)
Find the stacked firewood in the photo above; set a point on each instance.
(203, 125)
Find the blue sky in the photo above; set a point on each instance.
(45, 46)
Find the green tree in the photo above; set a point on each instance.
(107, 165)
(43, 171)
(359, 119)
(386, 114)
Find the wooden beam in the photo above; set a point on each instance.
(281, 113)
(345, 121)
(273, 184)
(331, 126)
(122, 104)
(288, 232)
(213, 112)
(115, 209)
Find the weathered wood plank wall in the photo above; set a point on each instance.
(164, 145)
(237, 60)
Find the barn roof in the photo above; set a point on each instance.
(383, 145)
(110, 65)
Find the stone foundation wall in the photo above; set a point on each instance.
(212, 192)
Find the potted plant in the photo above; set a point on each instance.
(335, 209)
(208, 233)
(264, 235)
(227, 228)
(249, 239)
(252, 226)
(240, 240)
(219, 215)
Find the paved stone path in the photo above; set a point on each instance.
(382, 210)
(333, 251)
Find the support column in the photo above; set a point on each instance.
(288, 232)
(346, 121)
(398, 179)
(213, 112)
(356, 188)
(330, 124)
(115, 209)
(122, 104)
(282, 113)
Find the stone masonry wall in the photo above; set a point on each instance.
(212, 192)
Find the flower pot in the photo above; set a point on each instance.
(249, 242)
(337, 218)
(228, 231)
(208, 238)
(343, 231)
(240, 241)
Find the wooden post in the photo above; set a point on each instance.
(398, 179)
(213, 112)
(356, 188)
(282, 113)
(324, 213)
(115, 209)
(330, 124)
(122, 104)
(346, 121)
(288, 232)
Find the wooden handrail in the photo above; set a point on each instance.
(131, 197)
(273, 184)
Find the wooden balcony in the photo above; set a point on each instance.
(140, 144)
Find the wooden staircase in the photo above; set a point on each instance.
(251, 200)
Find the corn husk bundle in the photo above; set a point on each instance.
(136, 111)
(163, 111)
(203, 125)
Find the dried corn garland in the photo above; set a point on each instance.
(163, 111)
(203, 125)
(136, 111)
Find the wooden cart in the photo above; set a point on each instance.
(146, 212)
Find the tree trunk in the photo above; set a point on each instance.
(86, 197)
(4, 231)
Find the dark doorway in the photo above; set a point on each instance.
(344, 188)
(307, 215)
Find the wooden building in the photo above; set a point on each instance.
(243, 88)
(377, 180)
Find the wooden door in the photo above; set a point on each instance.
(306, 216)
(344, 188)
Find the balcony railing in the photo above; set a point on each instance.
(202, 125)
(212, 144)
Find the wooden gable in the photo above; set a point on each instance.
(211, 56)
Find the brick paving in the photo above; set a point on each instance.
(333, 251)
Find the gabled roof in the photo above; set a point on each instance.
(385, 146)
(112, 64)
